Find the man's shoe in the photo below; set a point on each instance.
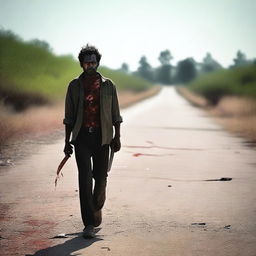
(97, 218)
(89, 232)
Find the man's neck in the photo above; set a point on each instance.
(91, 74)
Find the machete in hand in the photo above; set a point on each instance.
(64, 160)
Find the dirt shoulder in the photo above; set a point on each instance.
(236, 114)
(128, 98)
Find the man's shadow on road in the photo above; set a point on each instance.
(68, 247)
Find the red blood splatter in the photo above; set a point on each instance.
(137, 154)
(168, 148)
(40, 244)
(38, 222)
(4, 208)
(142, 154)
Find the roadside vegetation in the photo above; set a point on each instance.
(239, 81)
(31, 74)
(229, 96)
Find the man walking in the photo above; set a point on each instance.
(91, 112)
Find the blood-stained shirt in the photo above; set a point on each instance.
(109, 107)
(91, 85)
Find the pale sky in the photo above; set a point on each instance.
(124, 30)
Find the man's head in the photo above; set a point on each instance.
(89, 58)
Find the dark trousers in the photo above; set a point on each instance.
(92, 162)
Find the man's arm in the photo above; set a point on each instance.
(117, 120)
(68, 148)
(117, 130)
(68, 130)
(116, 117)
(116, 143)
(68, 121)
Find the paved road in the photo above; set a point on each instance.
(163, 198)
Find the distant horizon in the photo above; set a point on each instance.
(76, 58)
(124, 31)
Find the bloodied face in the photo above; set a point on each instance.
(90, 64)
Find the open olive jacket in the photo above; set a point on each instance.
(109, 107)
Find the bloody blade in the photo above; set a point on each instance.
(64, 160)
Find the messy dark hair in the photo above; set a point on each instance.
(88, 50)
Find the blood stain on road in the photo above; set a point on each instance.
(143, 154)
(152, 145)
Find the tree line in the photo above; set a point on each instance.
(185, 71)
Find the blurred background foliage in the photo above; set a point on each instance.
(31, 74)
(236, 81)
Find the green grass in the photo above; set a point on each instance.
(29, 68)
(238, 81)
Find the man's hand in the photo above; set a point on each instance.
(115, 144)
(68, 150)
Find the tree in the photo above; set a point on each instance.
(163, 73)
(125, 68)
(240, 59)
(41, 43)
(186, 70)
(209, 64)
(9, 34)
(145, 69)
(165, 57)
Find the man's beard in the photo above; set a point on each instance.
(90, 71)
